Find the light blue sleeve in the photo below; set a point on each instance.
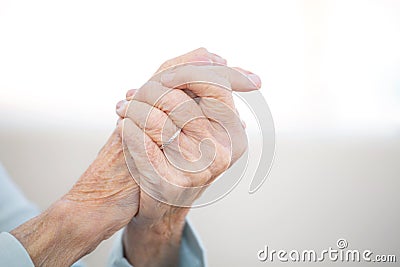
(12, 253)
(191, 251)
(15, 209)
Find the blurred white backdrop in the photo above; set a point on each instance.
(325, 65)
(330, 69)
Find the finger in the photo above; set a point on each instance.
(152, 121)
(121, 107)
(182, 150)
(152, 171)
(130, 94)
(148, 158)
(202, 82)
(216, 101)
(250, 75)
(182, 109)
(231, 78)
(198, 55)
(214, 76)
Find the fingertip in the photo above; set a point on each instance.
(131, 93)
(121, 108)
(119, 104)
(255, 79)
(201, 50)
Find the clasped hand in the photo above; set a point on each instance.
(176, 134)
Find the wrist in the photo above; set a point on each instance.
(162, 232)
(157, 215)
(151, 245)
(61, 235)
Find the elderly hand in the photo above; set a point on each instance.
(207, 137)
(102, 201)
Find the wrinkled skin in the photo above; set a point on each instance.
(212, 136)
(107, 183)
(155, 112)
(106, 197)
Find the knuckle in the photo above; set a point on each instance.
(172, 99)
(201, 50)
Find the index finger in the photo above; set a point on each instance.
(235, 79)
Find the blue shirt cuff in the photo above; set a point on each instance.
(12, 253)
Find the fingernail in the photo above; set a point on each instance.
(167, 77)
(255, 79)
(121, 106)
(130, 92)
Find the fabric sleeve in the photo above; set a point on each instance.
(12, 253)
(15, 209)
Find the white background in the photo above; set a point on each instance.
(325, 65)
(331, 76)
